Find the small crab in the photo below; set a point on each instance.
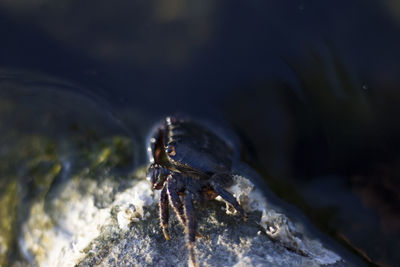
(189, 163)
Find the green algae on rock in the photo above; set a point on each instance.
(53, 137)
(8, 203)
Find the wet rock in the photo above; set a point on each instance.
(59, 157)
(126, 232)
(8, 203)
(72, 199)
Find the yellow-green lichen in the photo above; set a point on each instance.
(8, 203)
(116, 151)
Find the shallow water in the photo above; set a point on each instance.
(310, 87)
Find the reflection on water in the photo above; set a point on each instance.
(311, 87)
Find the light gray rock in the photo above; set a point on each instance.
(226, 241)
(124, 230)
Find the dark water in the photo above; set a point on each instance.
(312, 88)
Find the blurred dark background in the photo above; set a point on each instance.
(311, 87)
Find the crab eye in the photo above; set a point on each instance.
(171, 151)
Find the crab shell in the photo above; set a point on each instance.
(186, 146)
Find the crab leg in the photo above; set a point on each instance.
(175, 200)
(228, 197)
(164, 212)
(190, 226)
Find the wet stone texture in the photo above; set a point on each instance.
(127, 233)
(113, 221)
(226, 240)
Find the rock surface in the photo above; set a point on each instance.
(72, 199)
(126, 232)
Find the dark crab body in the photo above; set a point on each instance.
(189, 163)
